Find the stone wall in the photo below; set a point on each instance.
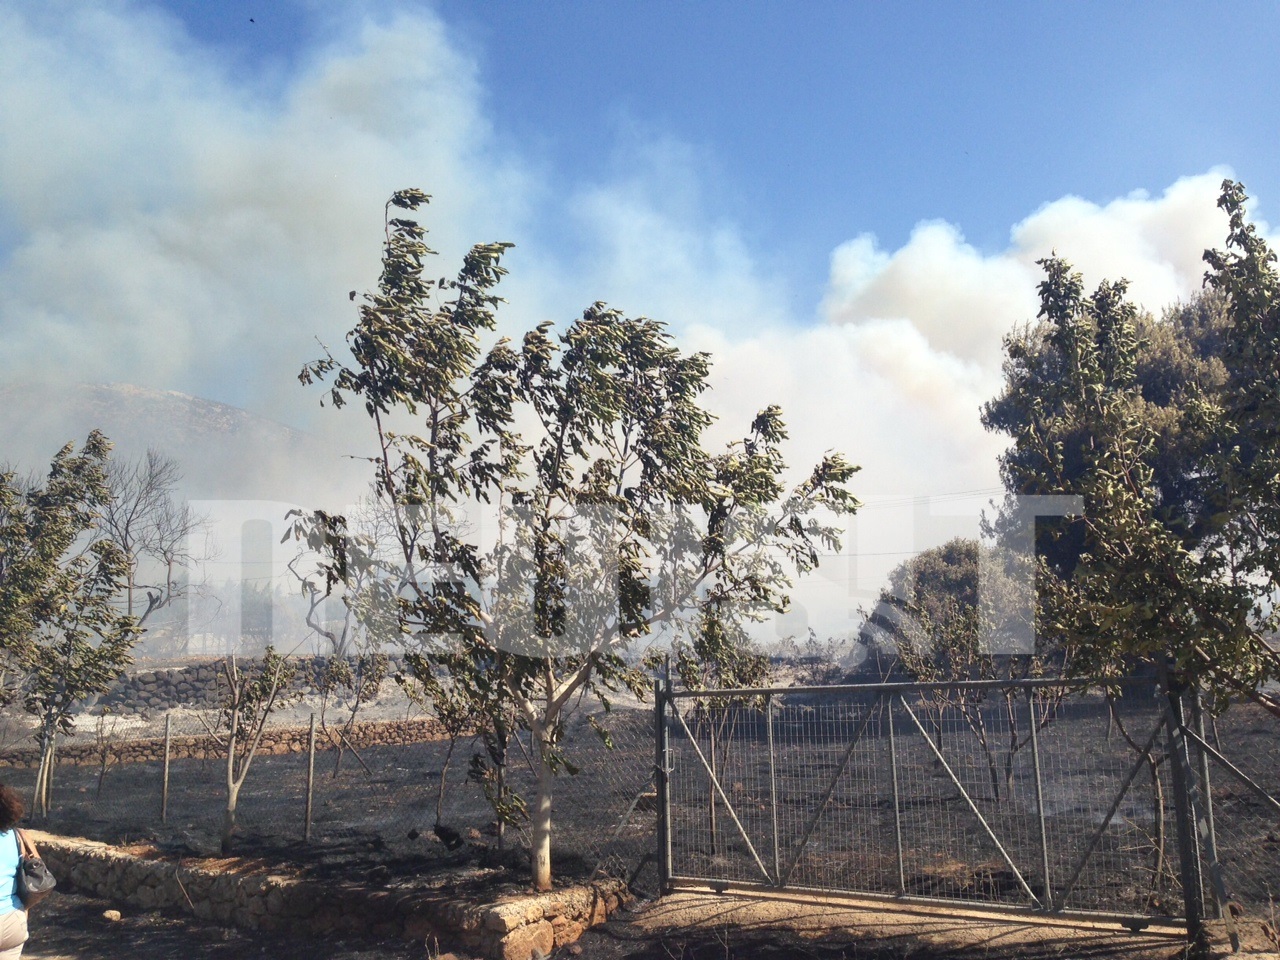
(151, 692)
(154, 691)
(274, 741)
(235, 892)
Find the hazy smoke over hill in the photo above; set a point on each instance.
(224, 452)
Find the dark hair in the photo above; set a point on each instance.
(11, 808)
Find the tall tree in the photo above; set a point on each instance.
(1172, 559)
(613, 518)
(61, 628)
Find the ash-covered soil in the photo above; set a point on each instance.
(682, 927)
(75, 927)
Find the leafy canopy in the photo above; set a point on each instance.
(612, 518)
(62, 631)
(1167, 431)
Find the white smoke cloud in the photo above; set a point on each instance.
(170, 225)
(177, 229)
(963, 301)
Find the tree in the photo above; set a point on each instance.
(250, 696)
(60, 625)
(1171, 560)
(368, 619)
(151, 527)
(928, 615)
(951, 613)
(1244, 471)
(1177, 363)
(154, 529)
(612, 517)
(945, 623)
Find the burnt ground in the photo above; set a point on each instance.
(688, 927)
(73, 927)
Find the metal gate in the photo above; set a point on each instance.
(1035, 796)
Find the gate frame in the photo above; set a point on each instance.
(1192, 801)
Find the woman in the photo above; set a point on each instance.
(13, 915)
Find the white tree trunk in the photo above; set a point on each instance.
(41, 798)
(233, 786)
(44, 774)
(229, 817)
(540, 841)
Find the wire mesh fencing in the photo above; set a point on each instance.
(1238, 756)
(1026, 794)
(389, 790)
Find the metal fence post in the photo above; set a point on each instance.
(773, 789)
(311, 778)
(662, 777)
(164, 783)
(1044, 832)
(897, 800)
(1188, 848)
(1206, 794)
(712, 826)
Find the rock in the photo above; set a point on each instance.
(271, 923)
(112, 915)
(566, 931)
(418, 926)
(529, 942)
(502, 920)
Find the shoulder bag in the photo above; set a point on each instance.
(35, 881)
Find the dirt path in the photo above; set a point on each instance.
(703, 927)
(72, 927)
(679, 927)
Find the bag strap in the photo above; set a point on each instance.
(25, 846)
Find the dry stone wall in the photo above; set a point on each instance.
(151, 692)
(274, 741)
(232, 892)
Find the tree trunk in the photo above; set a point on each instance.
(44, 774)
(38, 799)
(229, 818)
(233, 784)
(540, 841)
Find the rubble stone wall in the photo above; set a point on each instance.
(230, 892)
(274, 741)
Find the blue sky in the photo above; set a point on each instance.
(810, 121)
(843, 202)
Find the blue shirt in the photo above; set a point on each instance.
(10, 858)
